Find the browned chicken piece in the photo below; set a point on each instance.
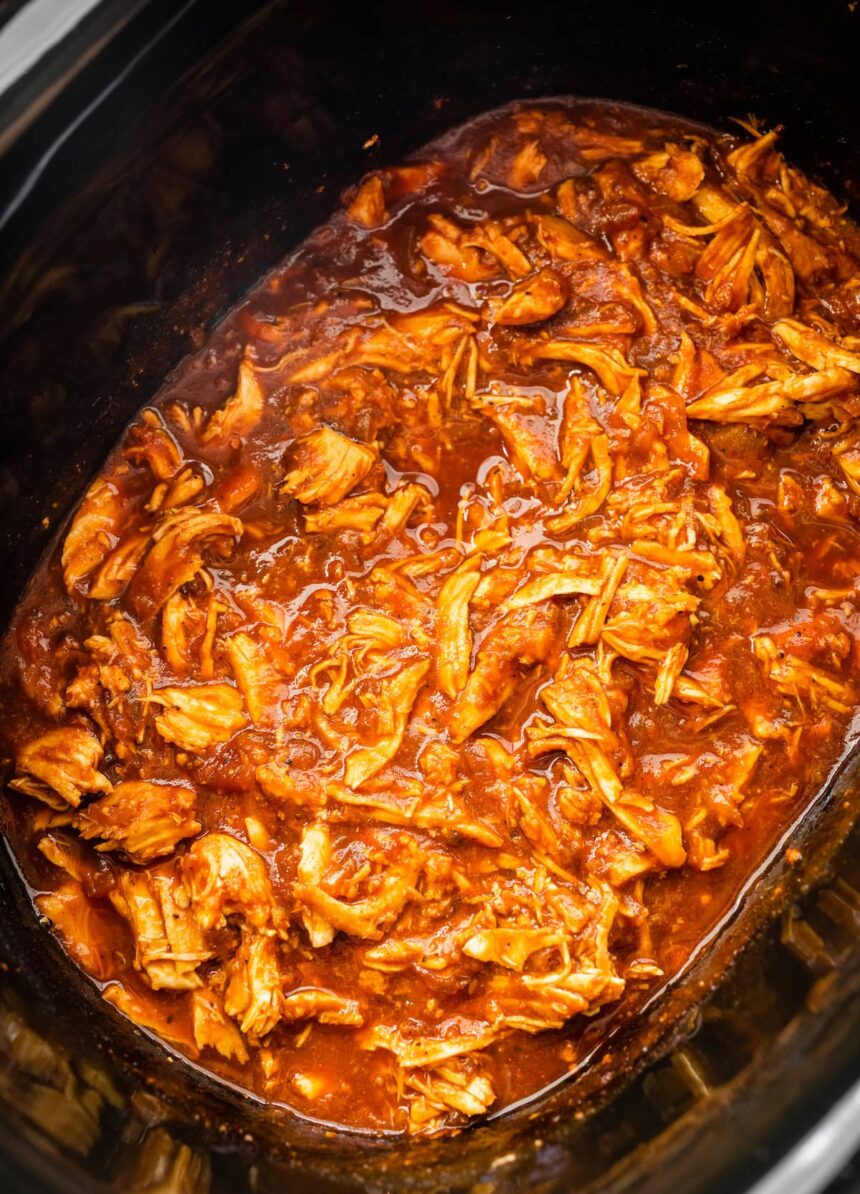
(96, 528)
(394, 709)
(316, 1003)
(169, 946)
(280, 780)
(517, 641)
(258, 679)
(242, 411)
(369, 916)
(213, 1030)
(177, 554)
(60, 767)
(151, 444)
(120, 566)
(447, 245)
(145, 820)
(533, 300)
(224, 878)
(565, 242)
(326, 466)
(368, 205)
(529, 448)
(253, 995)
(673, 171)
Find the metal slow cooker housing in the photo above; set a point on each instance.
(151, 171)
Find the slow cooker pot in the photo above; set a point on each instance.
(152, 169)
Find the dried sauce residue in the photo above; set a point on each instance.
(436, 657)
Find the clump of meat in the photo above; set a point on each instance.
(547, 456)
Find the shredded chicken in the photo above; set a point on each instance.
(436, 682)
(61, 766)
(197, 717)
(326, 465)
(169, 946)
(143, 819)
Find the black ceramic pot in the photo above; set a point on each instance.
(149, 173)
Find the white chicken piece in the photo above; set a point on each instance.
(361, 513)
(770, 401)
(798, 678)
(96, 527)
(225, 878)
(454, 1087)
(610, 366)
(120, 566)
(254, 995)
(452, 627)
(399, 508)
(655, 827)
(512, 946)
(579, 702)
(564, 583)
(565, 242)
(242, 411)
(258, 679)
(60, 767)
(413, 1052)
(213, 1030)
(533, 300)
(525, 434)
(169, 946)
(517, 641)
(815, 350)
(396, 699)
(145, 820)
(448, 246)
(177, 554)
(199, 716)
(326, 466)
(314, 862)
(587, 498)
(318, 1003)
(369, 916)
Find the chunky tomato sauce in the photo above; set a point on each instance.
(438, 656)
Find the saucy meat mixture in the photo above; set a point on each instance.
(437, 658)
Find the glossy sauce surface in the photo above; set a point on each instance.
(437, 657)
